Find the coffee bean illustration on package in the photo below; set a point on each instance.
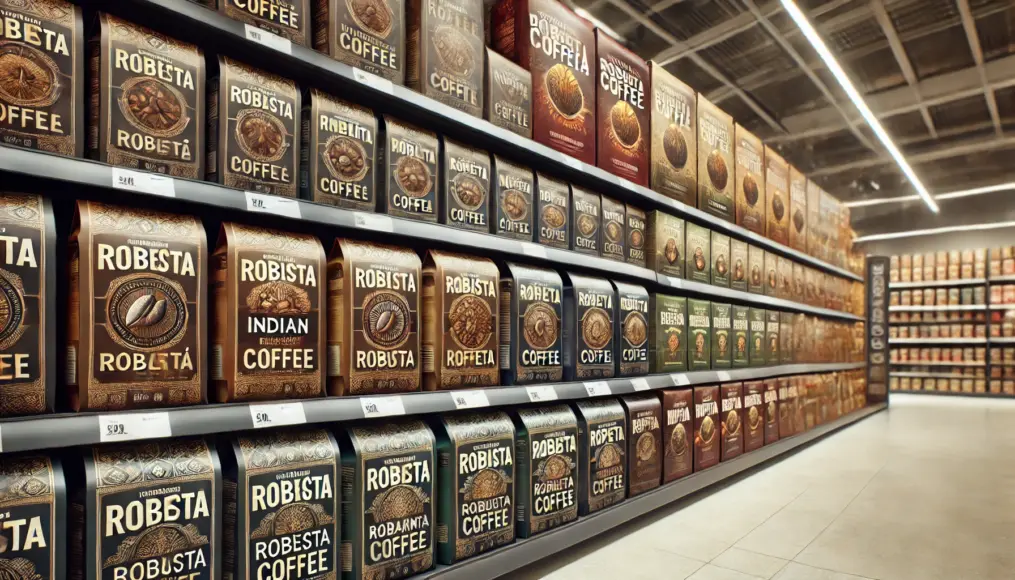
(674, 137)
(531, 337)
(771, 400)
(772, 337)
(756, 336)
(476, 498)
(511, 203)
(632, 330)
(645, 440)
(137, 309)
(269, 333)
(444, 52)
(636, 233)
(33, 499)
(587, 222)
(756, 270)
(699, 331)
(698, 253)
(740, 338)
(750, 181)
(798, 209)
(668, 332)
(678, 432)
(707, 433)
(666, 244)
(460, 301)
(410, 158)
(366, 34)
(722, 339)
(27, 305)
(754, 415)
(373, 319)
(466, 187)
(732, 418)
(784, 268)
(148, 100)
(339, 150)
(602, 454)
(771, 271)
(546, 455)
(387, 500)
(508, 95)
(739, 263)
(614, 235)
(42, 81)
(720, 259)
(553, 212)
(289, 19)
(622, 110)
(716, 179)
(589, 315)
(777, 197)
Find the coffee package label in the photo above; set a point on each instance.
(632, 330)
(546, 455)
(636, 232)
(771, 400)
(466, 184)
(720, 259)
(668, 329)
(777, 198)
(740, 338)
(666, 244)
(602, 454)
(674, 137)
(289, 19)
(137, 315)
(786, 339)
(645, 437)
(614, 236)
(148, 100)
(756, 266)
(739, 261)
(732, 417)
(43, 106)
(754, 415)
(589, 316)
(798, 209)
(531, 338)
(269, 332)
(772, 356)
(373, 319)
(508, 95)
(771, 274)
(553, 208)
(411, 171)
(716, 183)
(750, 181)
(722, 338)
(784, 267)
(339, 153)
(587, 220)
(33, 499)
(699, 331)
(706, 427)
(622, 110)
(444, 52)
(678, 426)
(366, 34)
(757, 320)
(511, 200)
(698, 249)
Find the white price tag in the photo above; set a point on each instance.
(470, 399)
(141, 182)
(134, 426)
(598, 389)
(676, 282)
(277, 414)
(680, 379)
(723, 376)
(265, 203)
(381, 406)
(541, 393)
(374, 222)
(268, 39)
(640, 384)
(372, 80)
(534, 250)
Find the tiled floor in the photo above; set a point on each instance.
(924, 491)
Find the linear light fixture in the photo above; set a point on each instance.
(934, 231)
(950, 195)
(840, 75)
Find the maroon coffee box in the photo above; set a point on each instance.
(706, 427)
(754, 415)
(644, 439)
(732, 417)
(678, 421)
(622, 110)
(771, 400)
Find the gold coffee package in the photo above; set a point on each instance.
(644, 436)
(587, 221)
(289, 19)
(750, 181)
(465, 187)
(636, 236)
(366, 34)
(678, 433)
(739, 262)
(410, 167)
(666, 244)
(589, 316)
(602, 454)
(740, 337)
(614, 235)
(531, 338)
(444, 52)
(771, 274)
(339, 152)
(721, 259)
(511, 200)
(716, 179)
(553, 210)
(148, 100)
(269, 331)
(777, 196)
(668, 332)
(756, 321)
(33, 499)
(756, 268)
(546, 455)
(815, 227)
(508, 95)
(798, 186)
(674, 137)
(622, 110)
(698, 252)
(137, 314)
(632, 330)
(699, 331)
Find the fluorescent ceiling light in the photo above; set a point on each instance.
(883, 200)
(840, 75)
(949, 195)
(600, 24)
(934, 231)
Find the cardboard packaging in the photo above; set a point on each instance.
(622, 110)
(674, 157)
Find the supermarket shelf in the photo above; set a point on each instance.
(1008, 278)
(937, 341)
(1002, 340)
(938, 364)
(937, 284)
(948, 308)
(933, 376)
(1002, 306)
(954, 394)
(718, 292)
(69, 429)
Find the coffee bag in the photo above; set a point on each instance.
(678, 433)
(644, 436)
(632, 330)
(366, 34)
(720, 259)
(444, 52)
(589, 316)
(777, 198)
(756, 269)
(622, 110)
(411, 170)
(756, 336)
(666, 244)
(750, 181)
(798, 209)
(553, 210)
(547, 467)
(740, 337)
(614, 236)
(732, 416)
(587, 220)
(636, 233)
(33, 499)
(339, 152)
(531, 336)
(722, 339)
(754, 415)
(698, 252)
(716, 181)
(668, 332)
(511, 200)
(508, 95)
(739, 264)
(289, 19)
(602, 454)
(707, 434)
(465, 184)
(771, 400)
(699, 331)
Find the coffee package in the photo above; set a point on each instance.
(28, 305)
(373, 319)
(132, 67)
(668, 332)
(698, 252)
(798, 186)
(674, 137)
(531, 338)
(777, 199)
(553, 208)
(666, 244)
(289, 19)
(269, 333)
(366, 34)
(476, 498)
(739, 262)
(137, 317)
(614, 236)
(754, 415)
(678, 425)
(722, 351)
(33, 499)
(716, 182)
(771, 274)
(410, 185)
(546, 452)
(589, 316)
(586, 217)
(771, 399)
(622, 110)
(444, 52)
(44, 43)
(632, 330)
(339, 152)
(772, 356)
(787, 407)
(740, 336)
(756, 267)
(465, 186)
(388, 473)
(645, 438)
(699, 330)
(750, 181)
(636, 233)
(706, 427)
(602, 454)
(511, 202)
(460, 300)
(757, 320)
(508, 95)
(732, 420)
(784, 268)
(786, 339)
(815, 227)
(720, 260)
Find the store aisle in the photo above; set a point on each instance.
(923, 491)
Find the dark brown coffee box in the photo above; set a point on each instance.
(366, 34)
(531, 338)
(706, 427)
(132, 67)
(756, 270)
(281, 488)
(587, 221)
(753, 415)
(732, 420)
(289, 19)
(720, 260)
(373, 319)
(388, 473)
(410, 165)
(722, 339)
(786, 341)
(636, 234)
(798, 186)
(137, 319)
(553, 211)
(666, 244)
(33, 499)
(674, 138)
(511, 200)
(338, 153)
(772, 356)
(757, 320)
(698, 252)
(739, 264)
(750, 181)
(699, 332)
(44, 40)
(614, 236)
(632, 330)
(622, 110)
(268, 336)
(589, 315)
(799, 283)
(558, 48)
(28, 310)
(740, 337)
(668, 332)
(771, 271)
(546, 468)
(784, 266)
(508, 95)
(465, 187)
(678, 425)
(798, 394)
(444, 52)
(716, 179)
(645, 442)
(777, 198)
(815, 226)
(144, 505)
(787, 407)
(602, 454)
(771, 400)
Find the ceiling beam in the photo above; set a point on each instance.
(947, 151)
(901, 57)
(969, 25)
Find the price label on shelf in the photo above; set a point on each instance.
(265, 38)
(381, 406)
(640, 384)
(470, 399)
(277, 414)
(141, 182)
(273, 204)
(598, 389)
(134, 426)
(534, 250)
(541, 393)
(374, 222)
(680, 379)
(723, 376)
(373, 81)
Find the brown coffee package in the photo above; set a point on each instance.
(253, 127)
(678, 430)
(339, 152)
(465, 183)
(558, 48)
(739, 260)
(268, 333)
(130, 67)
(587, 221)
(508, 95)
(645, 442)
(666, 244)
(511, 200)
(460, 316)
(797, 209)
(137, 317)
(373, 319)
(732, 419)
(366, 34)
(411, 171)
(44, 41)
(553, 212)
(815, 228)
(706, 427)
(289, 19)
(756, 267)
(716, 179)
(750, 181)
(27, 305)
(674, 137)
(622, 110)
(771, 400)
(614, 236)
(771, 274)
(754, 415)
(777, 199)
(444, 52)
(636, 236)
(785, 277)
